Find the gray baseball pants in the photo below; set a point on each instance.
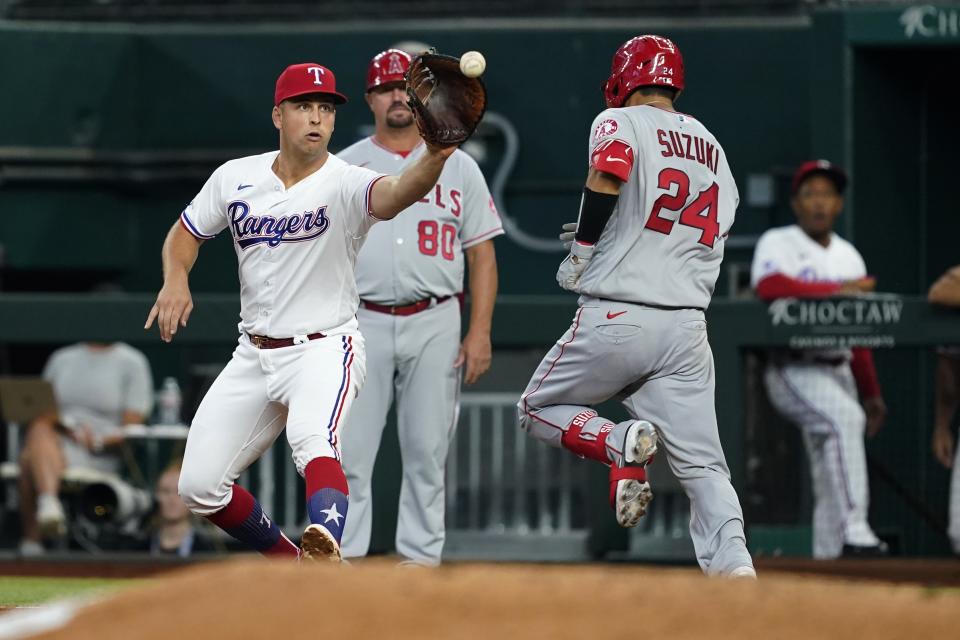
(409, 358)
(659, 363)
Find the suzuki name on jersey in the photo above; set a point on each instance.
(250, 230)
(684, 145)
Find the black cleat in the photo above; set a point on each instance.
(880, 550)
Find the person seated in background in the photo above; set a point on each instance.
(832, 395)
(946, 291)
(171, 531)
(98, 388)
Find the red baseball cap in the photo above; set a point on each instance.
(307, 77)
(823, 167)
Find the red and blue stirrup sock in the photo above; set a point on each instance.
(327, 495)
(244, 519)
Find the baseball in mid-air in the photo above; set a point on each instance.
(472, 64)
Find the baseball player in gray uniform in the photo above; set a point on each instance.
(658, 204)
(409, 277)
(297, 218)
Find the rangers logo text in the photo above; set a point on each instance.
(252, 230)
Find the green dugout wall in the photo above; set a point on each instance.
(134, 118)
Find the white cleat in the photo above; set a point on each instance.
(51, 517)
(31, 549)
(640, 444)
(747, 573)
(634, 496)
(319, 545)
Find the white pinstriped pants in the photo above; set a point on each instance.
(954, 528)
(306, 388)
(822, 401)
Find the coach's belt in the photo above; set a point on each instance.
(264, 342)
(404, 309)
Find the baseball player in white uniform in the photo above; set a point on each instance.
(410, 276)
(946, 291)
(818, 389)
(657, 207)
(297, 217)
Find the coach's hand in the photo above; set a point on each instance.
(943, 446)
(476, 352)
(172, 308)
(876, 410)
(860, 285)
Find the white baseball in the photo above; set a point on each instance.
(472, 64)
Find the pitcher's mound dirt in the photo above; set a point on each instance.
(250, 598)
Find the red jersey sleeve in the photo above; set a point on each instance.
(865, 372)
(777, 285)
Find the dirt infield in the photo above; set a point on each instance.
(252, 598)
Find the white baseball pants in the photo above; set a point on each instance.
(953, 529)
(307, 388)
(821, 399)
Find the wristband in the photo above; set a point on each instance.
(595, 210)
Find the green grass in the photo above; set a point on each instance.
(19, 591)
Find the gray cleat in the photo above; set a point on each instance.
(634, 495)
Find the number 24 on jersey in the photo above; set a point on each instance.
(699, 214)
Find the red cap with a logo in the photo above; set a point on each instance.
(824, 167)
(307, 77)
(387, 67)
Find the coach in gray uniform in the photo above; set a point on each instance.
(410, 276)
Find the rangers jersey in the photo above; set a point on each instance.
(296, 247)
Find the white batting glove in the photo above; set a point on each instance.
(568, 275)
(568, 235)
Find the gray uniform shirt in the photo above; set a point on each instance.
(419, 253)
(94, 387)
(664, 243)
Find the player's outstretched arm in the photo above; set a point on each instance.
(393, 194)
(174, 302)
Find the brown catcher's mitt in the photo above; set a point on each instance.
(446, 104)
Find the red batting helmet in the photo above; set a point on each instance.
(387, 66)
(643, 61)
